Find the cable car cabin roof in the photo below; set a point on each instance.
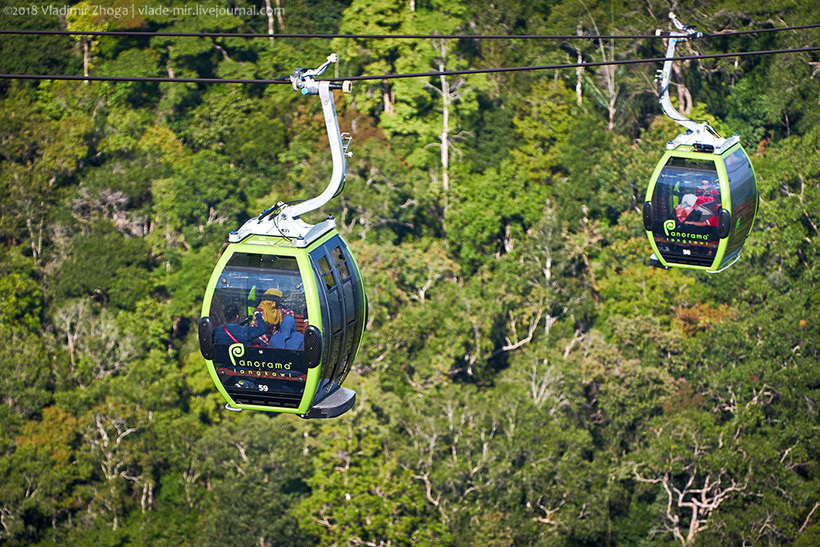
(302, 311)
(266, 232)
(700, 207)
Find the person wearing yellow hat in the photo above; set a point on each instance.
(273, 312)
(269, 305)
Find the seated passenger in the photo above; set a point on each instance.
(287, 337)
(706, 188)
(234, 333)
(698, 210)
(270, 304)
(273, 311)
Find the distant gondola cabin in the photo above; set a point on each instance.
(700, 207)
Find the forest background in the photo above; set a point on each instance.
(525, 377)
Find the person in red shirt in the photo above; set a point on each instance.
(700, 208)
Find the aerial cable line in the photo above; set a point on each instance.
(132, 33)
(157, 79)
(578, 65)
(757, 31)
(286, 79)
(360, 36)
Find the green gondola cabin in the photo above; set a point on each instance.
(319, 286)
(285, 308)
(700, 207)
(702, 199)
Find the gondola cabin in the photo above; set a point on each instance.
(281, 324)
(702, 198)
(285, 308)
(700, 207)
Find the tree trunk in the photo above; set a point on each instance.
(270, 19)
(445, 139)
(445, 129)
(579, 71)
(387, 95)
(86, 55)
(611, 109)
(684, 96)
(168, 67)
(280, 15)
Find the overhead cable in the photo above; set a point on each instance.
(579, 65)
(286, 80)
(327, 36)
(143, 34)
(758, 31)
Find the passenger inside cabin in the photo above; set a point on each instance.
(234, 333)
(700, 208)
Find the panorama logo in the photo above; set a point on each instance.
(235, 351)
(670, 228)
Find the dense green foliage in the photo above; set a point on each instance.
(525, 377)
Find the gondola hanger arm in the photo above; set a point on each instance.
(697, 133)
(284, 219)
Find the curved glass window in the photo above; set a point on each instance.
(259, 314)
(743, 191)
(685, 204)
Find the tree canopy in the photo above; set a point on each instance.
(525, 376)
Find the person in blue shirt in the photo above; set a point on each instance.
(287, 337)
(234, 333)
